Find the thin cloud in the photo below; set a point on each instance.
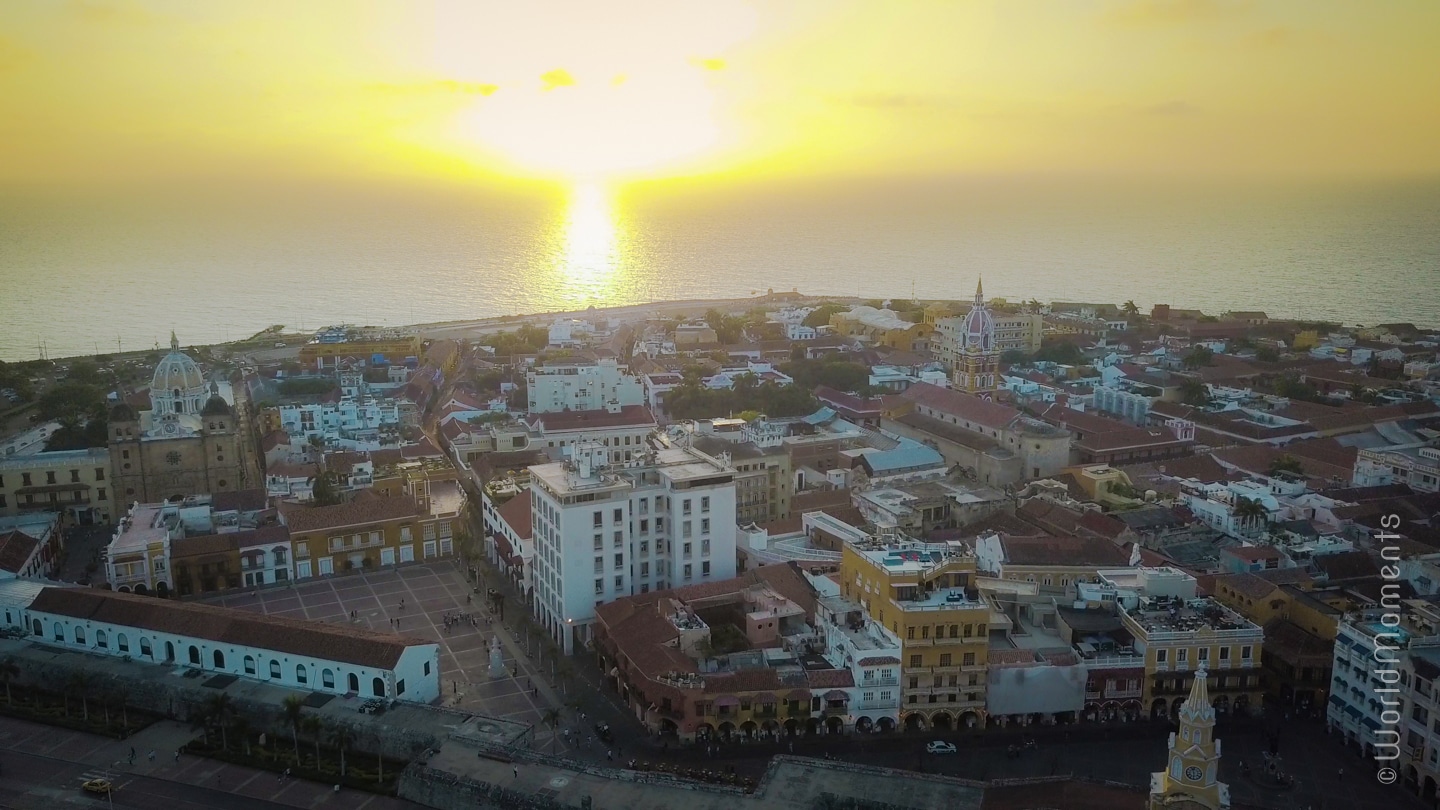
(557, 78)
(708, 63)
(1175, 107)
(1171, 12)
(468, 88)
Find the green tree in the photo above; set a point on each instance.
(325, 487)
(1129, 308)
(241, 727)
(1249, 509)
(9, 671)
(1060, 351)
(292, 710)
(85, 372)
(1014, 357)
(220, 708)
(551, 718)
(314, 728)
(820, 316)
(79, 683)
(1194, 392)
(1287, 464)
(1197, 357)
(1265, 354)
(341, 737)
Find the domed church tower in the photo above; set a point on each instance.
(1191, 779)
(977, 368)
(178, 386)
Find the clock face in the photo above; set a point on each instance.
(1193, 773)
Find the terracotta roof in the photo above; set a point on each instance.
(1347, 565)
(1247, 585)
(244, 500)
(1003, 523)
(344, 462)
(1049, 516)
(454, 429)
(1284, 576)
(16, 549)
(829, 678)
(273, 439)
(847, 403)
(517, 515)
(367, 508)
(878, 660)
(1082, 551)
(1102, 525)
(344, 643)
(1253, 553)
(231, 541)
(629, 416)
(1129, 437)
(965, 406)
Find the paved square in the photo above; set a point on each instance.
(414, 601)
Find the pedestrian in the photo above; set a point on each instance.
(287, 773)
(152, 754)
(792, 747)
(467, 598)
(177, 756)
(1341, 774)
(609, 756)
(402, 604)
(516, 770)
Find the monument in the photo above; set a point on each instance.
(497, 661)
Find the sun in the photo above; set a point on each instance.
(596, 128)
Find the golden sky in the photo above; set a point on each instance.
(112, 91)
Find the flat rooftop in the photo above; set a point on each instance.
(1186, 616)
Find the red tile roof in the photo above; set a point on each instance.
(332, 642)
(1253, 553)
(629, 416)
(959, 404)
(274, 439)
(1069, 551)
(847, 403)
(517, 515)
(367, 508)
(878, 660)
(16, 549)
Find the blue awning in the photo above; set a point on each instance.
(1370, 723)
(1353, 712)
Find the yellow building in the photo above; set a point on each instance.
(327, 355)
(1179, 636)
(368, 533)
(1308, 339)
(1191, 779)
(926, 594)
(1300, 630)
(882, 327)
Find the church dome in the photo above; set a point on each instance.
(177, 370)
(979, 329)
(123, 412)
(215, 406)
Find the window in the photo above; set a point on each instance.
(1244, 653)
(619, 561)
(945, 659)
(300, 675)
(1204, 654)
(688, 569)
(644, 547)
(249, 665)
(1224, 653)
(274, 668)
(705, 568)
(99, 474)
(599, 586)
(599, 565)
(1181, 656)
(644, 569)
(968, 659)
(705, 525)
(378, 687)
(619, 515)
(327, 679)
(685, 549)
(619, 582)
(49, 476)
(400, 687)
(1160, 656)
(619, 539)
(685, 507)
(925, 632)
(645, 526)
(353, 680)
(599, 518)
(685, 529)
(427, 667)
(99, 495)
(74, 476)
(910, 634)
(145, 648)
(101, 641)
(122, 643)
(599, 542)
(915, 662)
(219, 659)
(79, 635)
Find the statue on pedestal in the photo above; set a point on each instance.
(497, 661)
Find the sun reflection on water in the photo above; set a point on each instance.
(589, 262)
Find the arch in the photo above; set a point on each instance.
(37, 627)
(864, 725)
(1412, 777)
(885, 725)
(914, 721)
(792, 727)
(142, 590)
(1160, 709)
(1221, 704)
(169, 652)
(378, 687)
(101, 640)
(194, 654)
(727, 730)
(162, 590)
(249, 665)
(123, 589)
(1242, 705)
(1428, 789)
(145, 648)
(301, 675)
(327, 678)
(834, 725)
(667, 726)
(275, 669)
(122, 642)
(748, 729)
(353, 681)
(942, 721)
(812, 727)
(219, 659)
(1175, 706)
(79, 634)
(969, 720)
(704, 731)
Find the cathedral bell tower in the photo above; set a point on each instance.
(977, 364)
(1191, 777)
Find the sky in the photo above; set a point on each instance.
(101, 94)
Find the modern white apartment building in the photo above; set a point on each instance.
(352, 424)
(582, 387)
(604, 530)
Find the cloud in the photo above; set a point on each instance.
(557, 78)
(1174, 107)
(1169, 12)
(705, 63)
(620, 78)
(468, 88)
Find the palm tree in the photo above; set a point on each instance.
(1130, 308)
(551, 718)
(313, 728)
(342, 737)
(241, 727)
(292, 711)
(564, 675)
(1247, 510)
(78, 683)
(9, 671)
(219, 709)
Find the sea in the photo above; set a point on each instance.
(96, 273)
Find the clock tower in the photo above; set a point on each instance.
(1191, 779)
(976, 367)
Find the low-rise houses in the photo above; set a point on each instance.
(313, 656)
(30, 545)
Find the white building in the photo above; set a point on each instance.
(872, 655)
(605, 529)
(582, 387)
(294, 653)
(351, 424)
(1218, 506)
(29, 545)
(1417, 465)
(624, 430)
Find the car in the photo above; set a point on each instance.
(100, 786)
(940, 747)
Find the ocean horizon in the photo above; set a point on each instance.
(223, 270)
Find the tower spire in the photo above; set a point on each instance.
(174, 342)
(980, 291)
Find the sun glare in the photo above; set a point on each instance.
(591, 254)
(596, 127)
